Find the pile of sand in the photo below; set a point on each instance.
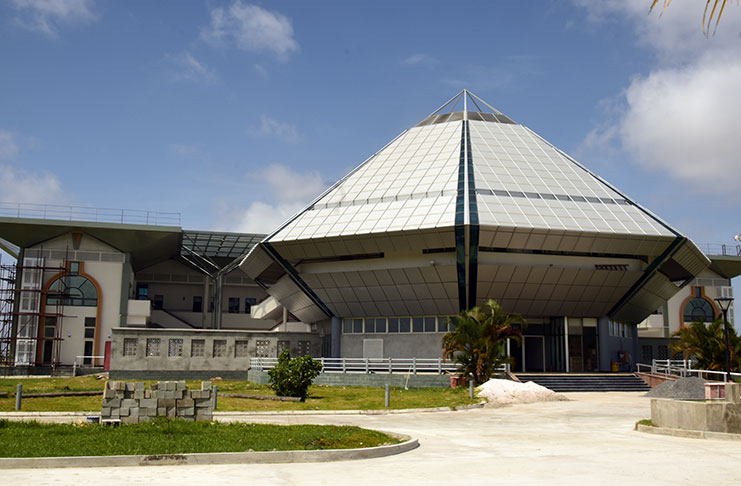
(503, 392)
(690, 388)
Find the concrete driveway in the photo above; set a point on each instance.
(589, 440)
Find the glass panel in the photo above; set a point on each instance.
(393, 324)
(418, 324)
(175, 348)
(129, 349)
(357, 326)
(153, 347)
(347, 326)
(381, 325)
(430, 324)
(198, 348)
(404, 324)
(219, 348)
(241, 346)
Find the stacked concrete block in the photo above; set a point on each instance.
(132, 403)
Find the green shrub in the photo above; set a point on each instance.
(292, 376)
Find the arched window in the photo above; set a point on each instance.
(698, 309)
(72, 290)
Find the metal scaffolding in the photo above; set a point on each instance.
(30, 330)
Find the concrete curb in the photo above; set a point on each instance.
(353, 412)
(214, 458)
(32, 415)
(690, 434)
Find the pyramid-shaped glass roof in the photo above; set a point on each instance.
(497, 172)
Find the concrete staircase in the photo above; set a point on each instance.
(595, 382)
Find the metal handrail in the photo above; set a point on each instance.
(89, 214)
(671, 368)
(373, 365)
(720, 249)
(83, 365)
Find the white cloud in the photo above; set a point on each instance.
(273, 128)
(291, 191)
(681, 118)
(685, 121)
(251, 28)
(676, 35)
(23, 186)
(420, 60)
(47, 16)
(8, 145)
(185, 67)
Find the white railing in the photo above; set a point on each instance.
(720, 249)
(82, 213)
(80, 362)
(682, 369)
(373, 365)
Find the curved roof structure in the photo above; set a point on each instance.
(469, 205)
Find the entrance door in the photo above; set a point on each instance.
(49, 333)
(533, 353)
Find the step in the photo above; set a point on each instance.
(586, 383)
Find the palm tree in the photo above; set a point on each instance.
(476, 342)
(706, 344)
(707, 20)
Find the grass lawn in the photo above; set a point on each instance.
(33, 439)
(320, 397)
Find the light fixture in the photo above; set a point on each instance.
(725, 303)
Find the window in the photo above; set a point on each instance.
(381, 324)
(647, 353)
(404, 324)
(240, 348)
(197, 303)
(663, 351)
(233, 305)
(303, 348)
(698, 310)
(90, 328)
(153, 347)
(357, 326)
(74, 268)
(129, 348)
(219, 348)
(175, 348)
(393, 324)
(72, 290)
(261, 348)
(197, 348)
(142, 292)
(283, 346)
(159, 302)
(248, 303)
(417, 324)
(430, 324)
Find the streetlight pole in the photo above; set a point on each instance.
(725, 303)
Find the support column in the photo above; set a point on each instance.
(603, 337)
(218, 296)
(336, 336)
(205, 302)
(566, 341)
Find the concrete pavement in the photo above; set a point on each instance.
(589, 440)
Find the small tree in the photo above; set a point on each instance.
(476, 342)
(705, 342)
(291, 377)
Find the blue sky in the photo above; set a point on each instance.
(236, 114)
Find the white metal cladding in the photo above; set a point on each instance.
(417, 289)
(411, 184)
(523, 181)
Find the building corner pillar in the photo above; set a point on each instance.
(336, 335)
